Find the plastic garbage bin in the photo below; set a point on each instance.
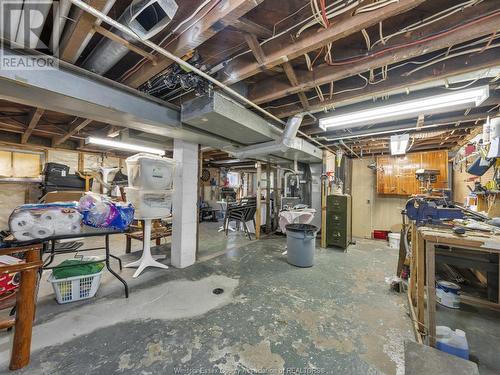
(300, 242)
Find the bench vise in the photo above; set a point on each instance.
(431, 211)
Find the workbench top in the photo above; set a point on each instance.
(471, 239)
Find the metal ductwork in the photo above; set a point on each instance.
(287, 147)
(218, 114)
(145, 17)
(268, 148)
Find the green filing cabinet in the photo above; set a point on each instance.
(338, 220)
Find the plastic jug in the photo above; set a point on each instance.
(452, 342)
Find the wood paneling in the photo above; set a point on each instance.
(396, 175)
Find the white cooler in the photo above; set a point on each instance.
(150, 172)
(149, 204)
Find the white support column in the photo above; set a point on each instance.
(184, 204)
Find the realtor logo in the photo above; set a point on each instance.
(29, 33)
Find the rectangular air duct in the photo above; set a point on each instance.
(220, 115)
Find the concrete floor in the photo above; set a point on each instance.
(337, 317)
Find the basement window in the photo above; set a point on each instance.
(151, 16)
(233, 179)
(20, 166)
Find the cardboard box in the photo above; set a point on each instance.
(62, 196)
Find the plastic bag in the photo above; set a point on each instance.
(100, 212)
(36, 221)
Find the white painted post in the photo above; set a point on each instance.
(184, 204)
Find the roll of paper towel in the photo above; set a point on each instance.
(22, 222)
(23, 236)
(41, 231)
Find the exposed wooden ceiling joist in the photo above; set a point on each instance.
(396, 82)
(407, 47)
(33, 120)
(248, 26)
(72, 43)
(277, 52)
(223, 14)
(254, 45)
(75, 128)
(292, 77)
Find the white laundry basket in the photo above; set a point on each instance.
(75, 288)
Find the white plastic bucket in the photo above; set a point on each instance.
(149, 204)
(150, 172)
(394, 239)
(448, 294)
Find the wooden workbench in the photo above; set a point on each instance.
(423, 272)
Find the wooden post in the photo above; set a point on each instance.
(277, 196)
(420, 249)
(258, 166)
(413, 264)
(431, 292)
(25, 314)
(268, 198)
(324, 188)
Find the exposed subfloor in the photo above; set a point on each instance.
(337, 317)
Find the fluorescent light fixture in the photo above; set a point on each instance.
(399, 144)
(123, 145)
(415, 107)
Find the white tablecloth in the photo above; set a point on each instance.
(303, 216)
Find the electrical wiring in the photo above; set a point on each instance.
(416, 42)
(387, 69)
(340, 8)
(470, 83)
(446, 57)
(429, 20)
(375, 6)
(281, 33)
(287, 17)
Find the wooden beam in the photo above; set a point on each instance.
(254, 45)
(249, 27)
(399, 83)
(272, 89)
(34, 118)
(292, 77)
(219, 17)
(79, 125)
(71, 44)
(280, 50)
(110, 35)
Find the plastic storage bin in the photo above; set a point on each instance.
(75, 288)
(149, 204)
(452, 342)
(394, 239)
(150, 172)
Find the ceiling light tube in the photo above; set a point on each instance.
(415, 107)
(123, 145)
